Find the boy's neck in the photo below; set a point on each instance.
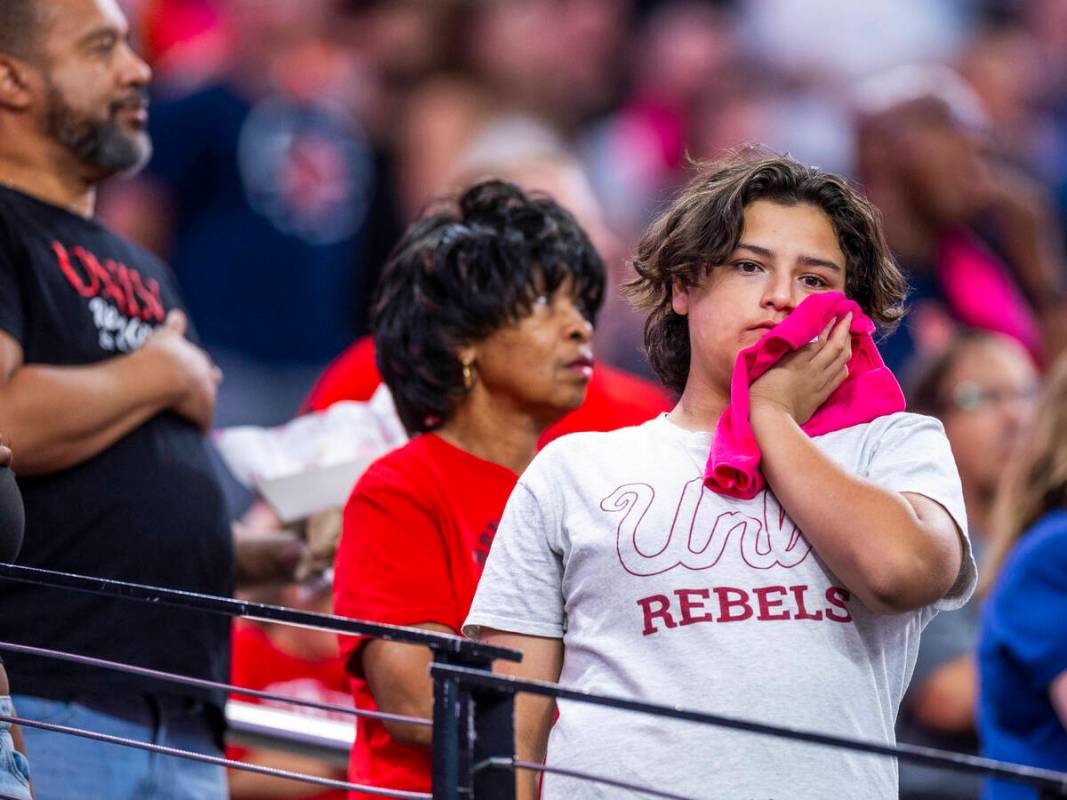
(698, 409)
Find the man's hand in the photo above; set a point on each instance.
(265, 556)
(802, 380)
(196, 375)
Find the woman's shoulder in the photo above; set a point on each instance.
(429, 464)
(411, 463)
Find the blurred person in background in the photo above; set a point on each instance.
(291, 661)
(1002, 62)
(838, 41)
(259, 193)
(982, 387)
(532, 157)
(977, 240)
(556, 64)
(483, 326)
(1047, 22)
(1022, 650)
(683, 51)
(106, 397)
(1016, 62)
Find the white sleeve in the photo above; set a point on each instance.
(913, 455)
(521, 588)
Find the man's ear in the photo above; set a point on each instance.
(679, 299)
(16, 93)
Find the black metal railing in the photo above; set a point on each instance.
(481, 683)
(473, 714)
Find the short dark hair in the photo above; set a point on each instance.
(20, 24)
(469, 266)
(703, 226)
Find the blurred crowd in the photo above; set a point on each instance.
(294, 141)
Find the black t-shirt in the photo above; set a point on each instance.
(147, 509)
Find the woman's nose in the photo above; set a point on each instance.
(578, 325)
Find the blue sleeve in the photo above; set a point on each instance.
(1028, 609)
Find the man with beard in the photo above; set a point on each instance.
(105, 397)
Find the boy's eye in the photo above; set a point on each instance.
(747, 266)
(814, 282)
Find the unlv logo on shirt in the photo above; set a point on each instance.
(700, 532)
(123, 304)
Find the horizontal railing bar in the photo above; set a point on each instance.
(500, 762)
(202, 683)
(925, 755)
(260, 727)
(327, 783)
(232, 607)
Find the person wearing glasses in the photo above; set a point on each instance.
(982, 387)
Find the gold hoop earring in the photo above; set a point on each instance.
(468, 376)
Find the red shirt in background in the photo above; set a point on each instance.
(614, 399)
(417, 531)
(258, 663)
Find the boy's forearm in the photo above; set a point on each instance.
(870, 537)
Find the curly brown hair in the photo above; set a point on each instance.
(703, 226)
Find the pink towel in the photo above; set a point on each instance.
(869, 391)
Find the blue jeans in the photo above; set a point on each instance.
(67, 766)
(14, 770)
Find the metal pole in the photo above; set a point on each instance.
(494, 737)
(471, 724)
(451, 742)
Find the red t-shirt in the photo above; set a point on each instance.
(614, 399)
(417, 531)
(258, 663)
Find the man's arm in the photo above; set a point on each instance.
(946, 699)
(542, 660)
(57, 417)
(894, 551)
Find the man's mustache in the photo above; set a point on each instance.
(136, 99)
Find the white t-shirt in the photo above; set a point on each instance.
(667, 592)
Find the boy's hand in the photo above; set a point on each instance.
(802, 380)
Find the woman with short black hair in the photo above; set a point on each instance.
(482, 328)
